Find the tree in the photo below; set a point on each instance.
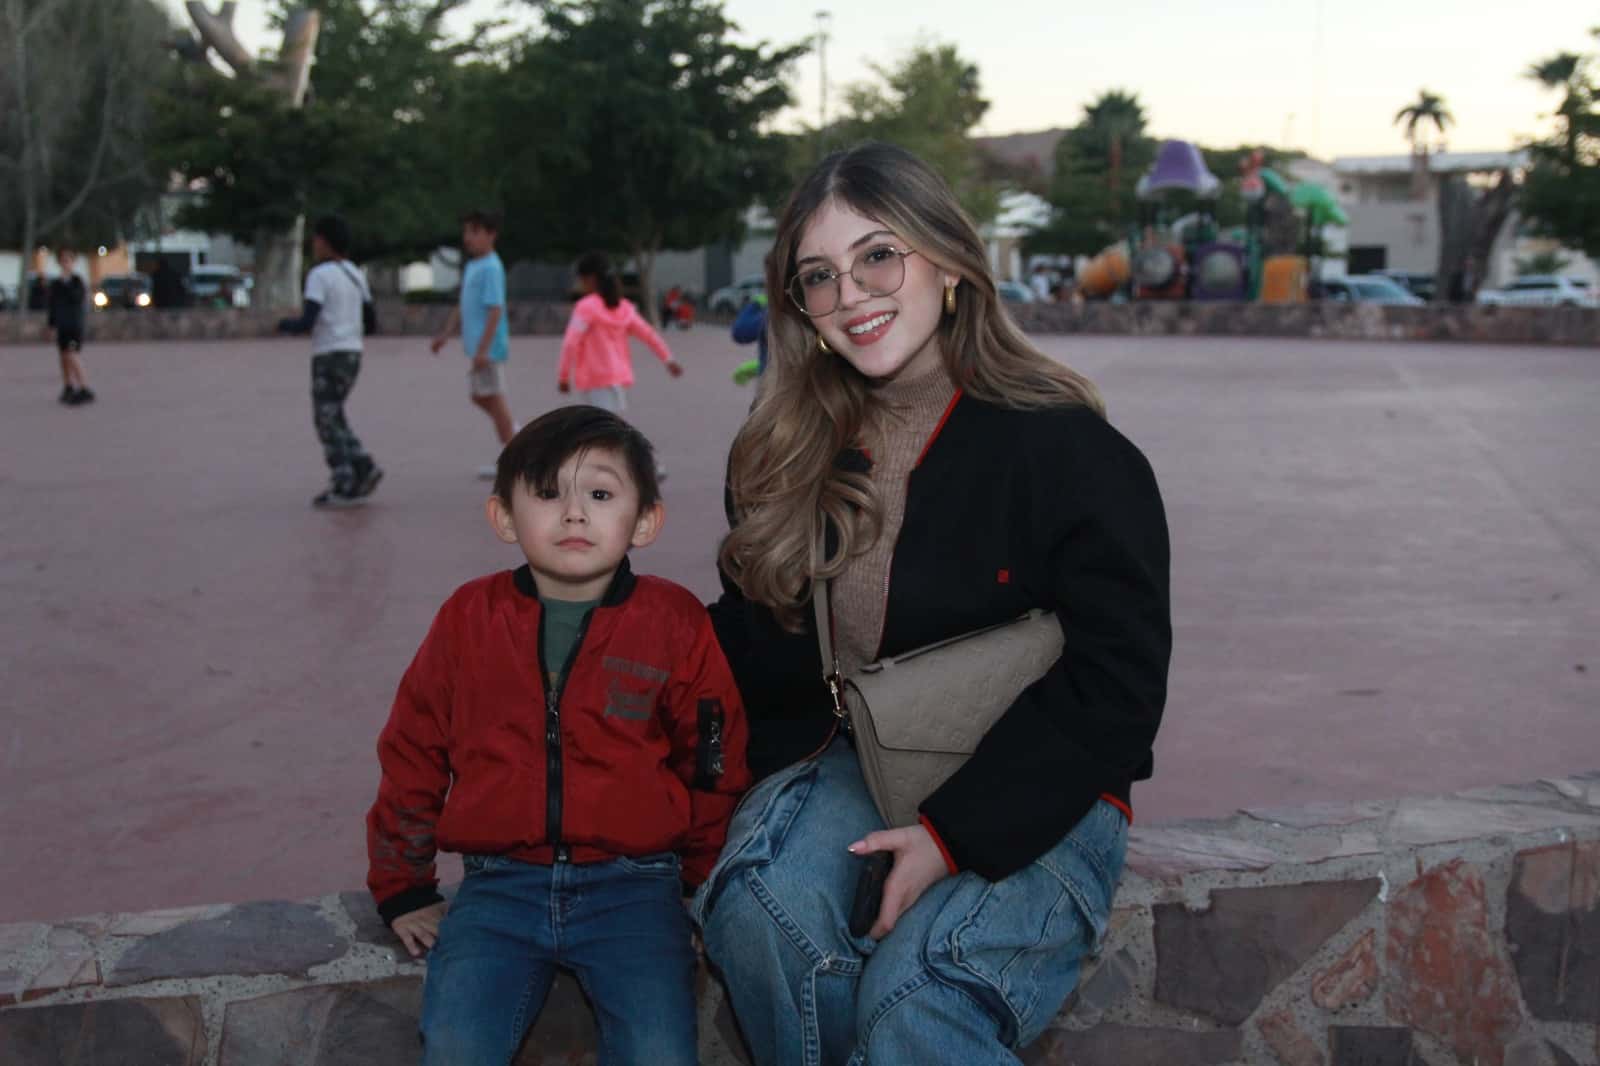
(632, 126)
(73, 116)
(927, 103)
(1428, 108)
(384, 135)
(1542, 263)
(1098, 164)
(234, 137)
(1561, 193)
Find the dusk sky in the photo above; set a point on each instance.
(1222, 74)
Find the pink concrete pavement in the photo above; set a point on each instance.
(1386, 575)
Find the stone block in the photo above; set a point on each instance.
(1553, 928)
(725, 1031)
(1371, 1045)
(252, 938)
(70, 963)
(1169, 854)
(327, 1025)
(1559, 1055)
(1124, 1045)
(1443, 819)
(1112, 982)
(1223, 961)
(1319, 815)
(564, 1033)
(1292, 1045)
(149, 923)
(18, 941)
(1352, 979)
(370, 929)
(1445, 974)
(112, 1032)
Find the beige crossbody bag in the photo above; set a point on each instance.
(917, 717)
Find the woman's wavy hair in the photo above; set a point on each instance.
(783, 472)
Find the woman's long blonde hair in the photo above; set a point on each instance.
(783, 471)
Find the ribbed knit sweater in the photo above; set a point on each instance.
(910, 414)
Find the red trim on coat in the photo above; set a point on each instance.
(940, 427)
(950, 864)
(1127, 811)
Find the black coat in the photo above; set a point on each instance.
(1008, 510)
(66, 304)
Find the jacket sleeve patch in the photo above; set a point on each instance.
(708, 752)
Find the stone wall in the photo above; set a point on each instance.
(1499, 325)
(1454, 931)
(1465, 322)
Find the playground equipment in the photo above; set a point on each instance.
(1186, 257)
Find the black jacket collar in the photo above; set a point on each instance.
(621, 587)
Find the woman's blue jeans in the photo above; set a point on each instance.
(619, 926)
(973, 971)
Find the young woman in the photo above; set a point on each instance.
(961, 478)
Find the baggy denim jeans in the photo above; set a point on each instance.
(619, 926)
(973, 971)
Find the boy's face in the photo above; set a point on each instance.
(66, 259)
(575, 533)
(320, 248)
(477, 240)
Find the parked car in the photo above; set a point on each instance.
(731, 298)
(1542, 290)
(1368, 289)
(122, 290)
(1420, 284)
(1014, 292)
(219, 285)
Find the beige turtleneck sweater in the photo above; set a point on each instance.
(860, 595)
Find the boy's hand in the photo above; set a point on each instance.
(438, 342)
(419, 930)
(563, 386)
(480, 363)
(675, 368)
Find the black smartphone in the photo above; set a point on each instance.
(869, 891)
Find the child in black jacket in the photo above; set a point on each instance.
(65, 313)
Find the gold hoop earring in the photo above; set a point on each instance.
(949, 299)
(822, 345)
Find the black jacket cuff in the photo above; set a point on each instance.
(403, 903)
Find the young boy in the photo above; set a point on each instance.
(573, 729)
(332, 314)
(65, 310)
(481, 315)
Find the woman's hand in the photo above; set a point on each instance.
(918, 866)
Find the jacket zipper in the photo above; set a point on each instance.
(552, 735)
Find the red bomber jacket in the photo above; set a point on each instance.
(638, 748)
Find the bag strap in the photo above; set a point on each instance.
(823, 609)
(355, 276)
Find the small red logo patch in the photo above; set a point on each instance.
(1004, 577)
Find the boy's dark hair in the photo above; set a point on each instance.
(334, 230)
(597, 265)
(482, 218)
(535, 454)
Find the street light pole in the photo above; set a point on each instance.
(824, 22)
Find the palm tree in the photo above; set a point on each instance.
(1429, 107)
(1565, 72)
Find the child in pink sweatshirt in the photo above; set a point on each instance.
(594, 353)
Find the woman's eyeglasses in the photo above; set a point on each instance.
(878, 271)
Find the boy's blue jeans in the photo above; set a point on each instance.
(619, 926)
(974, 970)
